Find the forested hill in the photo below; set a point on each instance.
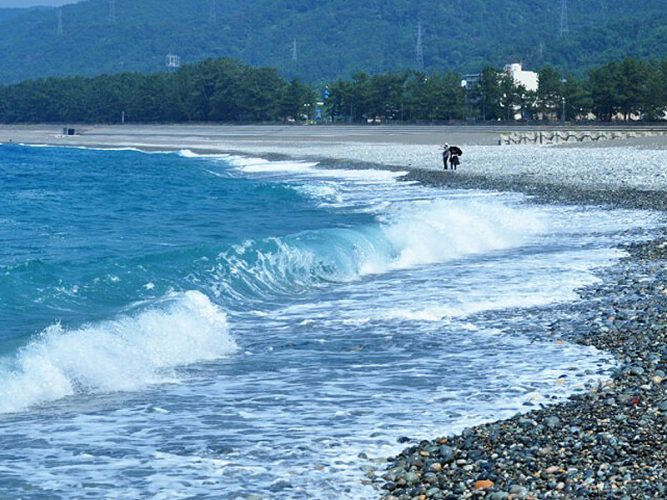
(7, 14)
(334, 38)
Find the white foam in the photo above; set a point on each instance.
(124, 354)
(263, 166)
(441, 230)
(440, 312)
(259, 165)
(119, 148)
(133, 149)
(326, 191)
(188, 153)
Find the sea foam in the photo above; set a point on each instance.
(407, 236)
(124, 354)
(443, 229)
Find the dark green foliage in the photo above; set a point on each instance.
(628, 88)
(225, 90)
(400, 96)
(550, 92)
(222, 90)
(488, 94)
(335, 38)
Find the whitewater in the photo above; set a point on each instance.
(179, 325)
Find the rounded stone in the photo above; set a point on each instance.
(411, 478)
(483, 484)
(446, 453)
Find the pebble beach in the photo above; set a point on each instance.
(610, 442)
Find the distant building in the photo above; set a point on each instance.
(529, 79)
(470, 80)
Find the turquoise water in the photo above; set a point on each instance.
(84, 232)
(175, 325)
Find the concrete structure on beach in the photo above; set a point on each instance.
(574, 136)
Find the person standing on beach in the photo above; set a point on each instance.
(445, 155)
(453, 159)
(454, 153)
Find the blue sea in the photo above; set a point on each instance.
(175, 325)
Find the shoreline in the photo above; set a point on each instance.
(553, 193)
(628, 173)
(608, 443)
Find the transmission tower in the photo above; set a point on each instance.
(112, 12)
(420, 47)
(60, 23)
(295, 52)
(173, 62)
(564, 25)
(212, 12)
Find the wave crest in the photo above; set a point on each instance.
(124, 354)
(417, 234)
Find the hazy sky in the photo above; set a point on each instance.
(30, 3)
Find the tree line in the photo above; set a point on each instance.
(226, 90)
(210, 91)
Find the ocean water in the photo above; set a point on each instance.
(175, 325)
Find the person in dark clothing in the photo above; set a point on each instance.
(454, 153)
(445, 155)
(454, 161)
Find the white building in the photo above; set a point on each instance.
(529, 79)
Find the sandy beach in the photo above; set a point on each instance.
(608, 443)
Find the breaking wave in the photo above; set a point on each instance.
(127, 353)
(416, 234)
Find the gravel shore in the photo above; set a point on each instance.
(608, 443)
(612, 441)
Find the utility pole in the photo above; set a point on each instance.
(60, 22)
(420, 47)
(563, 117)
(212, 13)
(112, 12)
(564, 24)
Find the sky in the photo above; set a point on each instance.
(31, 3)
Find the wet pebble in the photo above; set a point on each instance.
(607, 443)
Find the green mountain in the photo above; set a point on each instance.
(330, 38)
(7, 14)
